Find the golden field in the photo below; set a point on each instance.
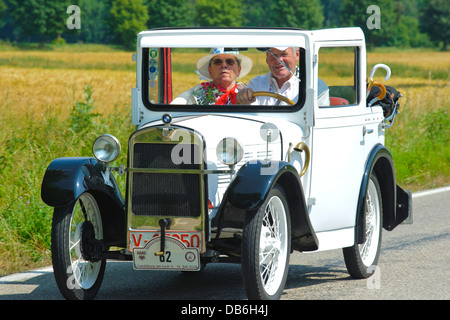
(32, 81)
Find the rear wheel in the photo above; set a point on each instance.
(266, 248)
(361, 259)
(76, 233)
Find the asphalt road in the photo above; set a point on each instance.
(414, 264)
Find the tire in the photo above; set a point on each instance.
(266, 246)
(361, 259)
(76, 277)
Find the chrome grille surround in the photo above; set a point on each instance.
(166, 179)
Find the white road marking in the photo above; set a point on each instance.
(430, 192)
(13, 283)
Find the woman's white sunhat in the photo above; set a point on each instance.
(203, 62)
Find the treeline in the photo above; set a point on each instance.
(405, 23)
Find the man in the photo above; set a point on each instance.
(223, 68)
(281, 79)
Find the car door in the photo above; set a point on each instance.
(338, 152)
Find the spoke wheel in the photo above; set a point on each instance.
(76, 230)
(361, 259)
(266, 248)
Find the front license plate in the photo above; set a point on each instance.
(176, 256)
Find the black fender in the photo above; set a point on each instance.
(396, 202)
(249, 189)
(67, 178)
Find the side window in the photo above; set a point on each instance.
(338, 71)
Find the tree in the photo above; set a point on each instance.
(219, 13)
(93, 16)
(46, 18)
(354, 13)
(435, 21)
(407, 33)
(170, 13)
(127, 19)
(2, 10)
(298, 14)
(257, 13)
(331, 9)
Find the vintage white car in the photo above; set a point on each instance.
(300, 168)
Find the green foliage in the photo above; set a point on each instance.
(3, 8)
(354, 13)
(218, 13)
(435, 21)
(127, 19)
(30, 144)
(118, 21)
(93, 17)
(421, 150)
(43, 17)
(398, 22)
(81, 117)
(170, 13)
(331, 13)
(407, 35)
(298, 14)
(257, 13)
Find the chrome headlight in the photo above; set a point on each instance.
(106, 148)
(229, 151)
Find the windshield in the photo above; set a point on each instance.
(224, 79)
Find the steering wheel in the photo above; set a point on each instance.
(273, 95)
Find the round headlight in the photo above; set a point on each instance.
(106, 148)
(229, 151)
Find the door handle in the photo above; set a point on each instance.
(367, 131)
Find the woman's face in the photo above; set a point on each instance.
(224, 69)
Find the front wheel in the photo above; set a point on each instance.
(76, 233)
(266, 248)
(361, 259)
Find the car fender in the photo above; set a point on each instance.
(381, 163)
(67, 178)
(250, 187)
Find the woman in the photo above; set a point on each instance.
(222, 68)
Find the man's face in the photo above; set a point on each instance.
(288, 57)
(224, 67)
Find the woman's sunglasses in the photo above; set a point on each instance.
(230, 62)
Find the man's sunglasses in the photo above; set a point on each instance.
(219, 62)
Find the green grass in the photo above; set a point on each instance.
(28, 148)
(420, 146)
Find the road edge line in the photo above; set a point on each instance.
(430, 192)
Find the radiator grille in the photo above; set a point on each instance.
(165, 194)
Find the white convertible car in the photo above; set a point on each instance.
(212, 181)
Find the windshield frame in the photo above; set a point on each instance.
(162, 107)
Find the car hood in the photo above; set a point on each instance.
(245, 128)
